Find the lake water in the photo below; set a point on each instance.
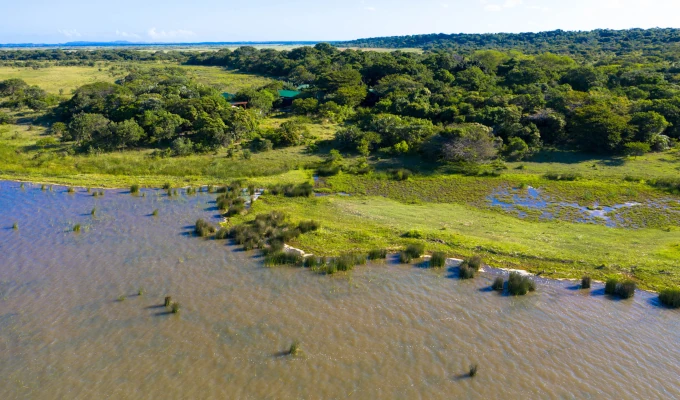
(384, 332)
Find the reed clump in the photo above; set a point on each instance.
(265, 232)
(93, 212)
(203, 228)
(585, 282)
(469, 267)
(70, 190)
(624, 290)
(76, 228)
(134, 189)
(670, 297)
(294, 349)
(498, 283)
(412, 252)
(168, 301)
(155, 213)
(15, 226)
(222, 233)
(302, 190)
(438, 260)
(377, 254)
(283, 258)
(167, 186)
(473, 370)
(121, 298)
(519, 285)
(175, 307)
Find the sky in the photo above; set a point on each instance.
(59, 21)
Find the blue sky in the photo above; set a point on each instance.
(58, 21)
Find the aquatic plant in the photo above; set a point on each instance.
(282, 258)
(121, 298)
(140, 292)
(93, 212)
(626, 289)
(43, 187)
(203, 228)
(585, 282)
(312, 262)
(101, 193)
(498, 283)
(347, 262)
(465, 271)
(519, 285)
(15, 226)
(175, 307)
(134, 189)
(222, 233)
(294, 349)
(155, 213)
(95, 194)
(415, 250)
(473, 370)
(302, 190)
(167, 186)
(405, 258)
(191, 191)
(308, 226)
(70, 190)
(168, 301)
(21, 186)
(76, 228)
(475, 262)
(236, 209)
(377, 254)
(438, 260)
(670, 297)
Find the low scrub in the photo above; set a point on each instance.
(498, 283)
(203, 228)
(301, 190)
(308, 226)
(438, 260)
(625, 290)
(585, 282)
(400, 174)
(413, 234)
(377, 254)
(670, 297)
(283, 258)
(569, 177)
(519, 285)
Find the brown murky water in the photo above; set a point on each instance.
(385, 331)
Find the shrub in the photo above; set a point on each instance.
(236, 209)
(377, 254)
(283, 258)
(400, 174)
(585, 282)
(222, 234)
(134, 189)
(413, 234)
(626, 289)
(415, 250)
(610, 286)
(308, 226)
(328, 170)
(475, 262)
(203, 228)
(302, 190)
(466, 271)
(519, 285)
(438, 260)
(670, 297)
(498, 283)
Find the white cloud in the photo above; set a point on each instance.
(127, 35)
(69, 33)
(369, 8)
(500, 7)
(176, 34)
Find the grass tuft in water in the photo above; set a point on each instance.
(155, 213)
(15, 226)
(134, 189)
(312, 262)
(168, 301)
(625, 290)
(76, 228)
(121, 298)
(175, 307)
(283, 258)
(670, 297)
(413, 251)
(140, 292)
(167, 186)
(498, 283)
(519, 285)
(294, 349)
(473, 370)
(377, 254)
(585, 282)
(71, 190)
(438, 260)
(22, 186)
(203, 228)
(43, 187)
(93, 212)
(222, 233)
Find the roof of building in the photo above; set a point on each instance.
(228, 96)
(289, 94)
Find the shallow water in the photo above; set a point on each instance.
(385, 331)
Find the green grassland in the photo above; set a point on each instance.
(54, 78)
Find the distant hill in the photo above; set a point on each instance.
(616, 41)
(145, 44)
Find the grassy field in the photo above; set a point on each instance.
(54, 79)
(555, 249)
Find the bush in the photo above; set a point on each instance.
(308, 226)
(134, 189)
(624, 290)
(203, 228)
(670, 297)
(498, 283)
(377, 254)
(222, 234)
(610, 286)
(415, 250)
(585, 282)
(519, 285)
(283, 258)
(475, 262)
(400, 174)
(302, 190)
(438, 260)
(466, 271)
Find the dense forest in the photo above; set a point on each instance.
(441, 104)
(586, 44)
